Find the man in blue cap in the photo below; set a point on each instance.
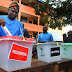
(13, 25)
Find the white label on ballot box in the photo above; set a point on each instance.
(18, 52)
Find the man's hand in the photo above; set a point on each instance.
(2, 22)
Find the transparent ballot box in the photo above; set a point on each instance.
(15, 54)
(49, 51)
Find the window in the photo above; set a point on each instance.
(23, 19)
(30, 22)
(3, 13)
(42, 23)
(24, 3)
(35, 22)
(16, 1)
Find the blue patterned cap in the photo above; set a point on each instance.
(14, 5)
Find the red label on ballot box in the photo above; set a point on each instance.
(18, 52)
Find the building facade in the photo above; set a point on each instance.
(26, 15)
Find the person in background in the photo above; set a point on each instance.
(26, 34)
(45, 36)
(64, 37)
(34, 49)
(13, 25)
(69, 33)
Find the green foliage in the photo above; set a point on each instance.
(54, 17)
(65, 11)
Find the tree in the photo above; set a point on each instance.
(55, 17)
(65, 11)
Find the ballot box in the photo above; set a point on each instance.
(15, 52)
(49, 51)
(66, 50)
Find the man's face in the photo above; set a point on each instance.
(44, 29)
(12, 13)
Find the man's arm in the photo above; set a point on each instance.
(38, 39)
(0, 22)
(51, 37)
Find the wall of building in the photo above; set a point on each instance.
(31, 34)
